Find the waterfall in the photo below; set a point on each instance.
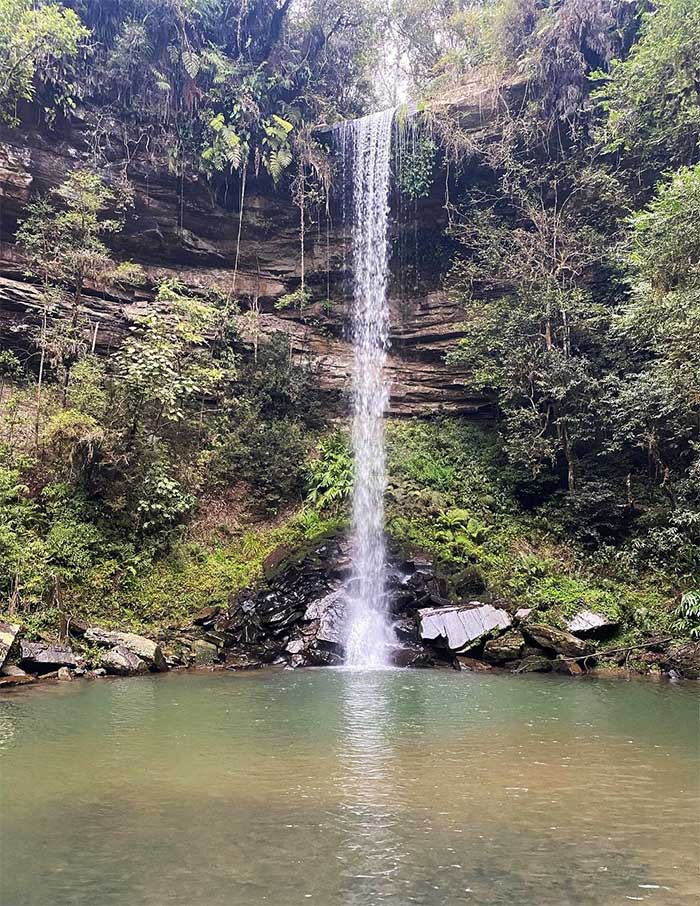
(366, 143)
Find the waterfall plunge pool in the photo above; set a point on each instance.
(349, 788)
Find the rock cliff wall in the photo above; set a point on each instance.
(186, 227)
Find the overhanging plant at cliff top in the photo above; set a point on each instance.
(38, 42)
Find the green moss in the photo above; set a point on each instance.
(566, 595)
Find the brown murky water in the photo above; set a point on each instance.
(350, 789)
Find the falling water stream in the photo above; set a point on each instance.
(366, 143)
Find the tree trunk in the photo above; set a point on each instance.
(42, 360)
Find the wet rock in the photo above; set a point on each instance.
(12, 680)
(206, 616)
(567, 667)
(218, 638)
(13, 670)
(319, 656)
(534, 664)
(556, 640)
(684, 659)
(506, 648)
(296, 646)
(412, 656)
(98, 673)
(204, 653)
(8, 635)
(589, 623)
(64, 674)
(144, 649)
(43, 657)
(330, 613)
(122, 661)
(461, 627)
(472, 664)
(242, 660)
(406, 630)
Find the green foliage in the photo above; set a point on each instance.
(531, 338)
(63, 236)
(330, 474)
(163, 367)
(566, 595)
(687, 616)
(163, 502)
(297, 299)
(38, 41)
(416, 163)
(650, 99)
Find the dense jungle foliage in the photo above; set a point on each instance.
(140, 486)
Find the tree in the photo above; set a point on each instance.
(165, 366)
(651, 100)
(534, 328)
(36, 41)
(62, 237)
(660, 399)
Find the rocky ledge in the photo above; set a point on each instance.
(295, 619)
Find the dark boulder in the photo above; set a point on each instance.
(16, 680)
(43, 657)
(556, 640)
(330, 613)
(567, 666)
(684, 659)
(505, 648)
(207, 616)
(76, 627)
(471, 664)
(243, 660)
(204, 653)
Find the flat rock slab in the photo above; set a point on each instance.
(42, 657)
(587, 622)
(8, 634)
(16, 680)
(145, 649)
(461, 627)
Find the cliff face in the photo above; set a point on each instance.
(187, 228)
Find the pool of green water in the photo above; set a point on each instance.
(344, 788)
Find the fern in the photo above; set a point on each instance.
(687, 616)
(277, 162)
(191, 62)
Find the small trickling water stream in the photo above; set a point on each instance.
(366, 148)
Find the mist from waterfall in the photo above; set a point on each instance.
(365, 145)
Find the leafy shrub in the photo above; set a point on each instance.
(687, 615)
(330, 474)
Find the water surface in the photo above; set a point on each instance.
(346, 788)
